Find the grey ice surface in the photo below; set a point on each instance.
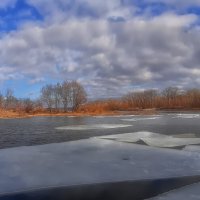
(92, 126)
(141, 119)
(187, 116)
(191, 192)
(132, 137)
(90, 161)
(192, 148)
(154, 139)
(185, 135)
(170, 142)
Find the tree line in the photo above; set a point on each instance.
(61, 97)
(169, 98)
(67, 96)
(71, 96)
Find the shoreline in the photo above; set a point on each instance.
(17, 115)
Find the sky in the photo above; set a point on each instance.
(110, 46)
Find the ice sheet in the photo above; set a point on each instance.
(190, 192)
(192, 148)
(132, 137)
(92, 126)
(114, 116)
(90, 161)
(185, 135)
(168, 142)
(187, 116)
(140, 119)
(154, 139)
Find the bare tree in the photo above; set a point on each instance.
(57, 91)
(77, 94)
(28, 105)
(170, 93)
(1, 100)
(65, 95)
(144, 99)
(38, 105)
(150, 97)
(10, 100)
(129, 99)
(193, 97)
(47, 96)
(70, 94)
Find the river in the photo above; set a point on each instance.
(45, 130)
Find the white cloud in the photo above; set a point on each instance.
(104, 55)
(177, 3)
(59, 10)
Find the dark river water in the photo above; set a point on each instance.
(43, 130)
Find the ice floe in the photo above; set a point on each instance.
(170, 142)
(187, 116)
(93, 126)
(154, 139)
(140, 119)
(115, 116)
(192, 148)
(132, 137)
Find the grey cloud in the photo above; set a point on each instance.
(108, 58)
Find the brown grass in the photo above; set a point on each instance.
(11, 114)
(97, 109)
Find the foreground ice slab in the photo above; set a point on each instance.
(155, 139)
(191, 192)
(92, 126)
(132, 137)
(90, 161)
(192, 148)
(170, 142)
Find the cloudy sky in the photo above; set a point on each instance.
(110, 46)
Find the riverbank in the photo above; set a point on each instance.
(9, 114)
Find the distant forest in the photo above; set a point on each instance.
(72, 97)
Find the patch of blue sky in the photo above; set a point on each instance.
(193, 10)
(25, 87)
(153, 8)
(22, 88)
(12, 17)
(73, 8)
(158, 8)
(145, 7)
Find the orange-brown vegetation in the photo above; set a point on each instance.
(102, 106)
(11, 114)
(60, 99)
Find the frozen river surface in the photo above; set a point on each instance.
(45, 130)
(109, 161)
